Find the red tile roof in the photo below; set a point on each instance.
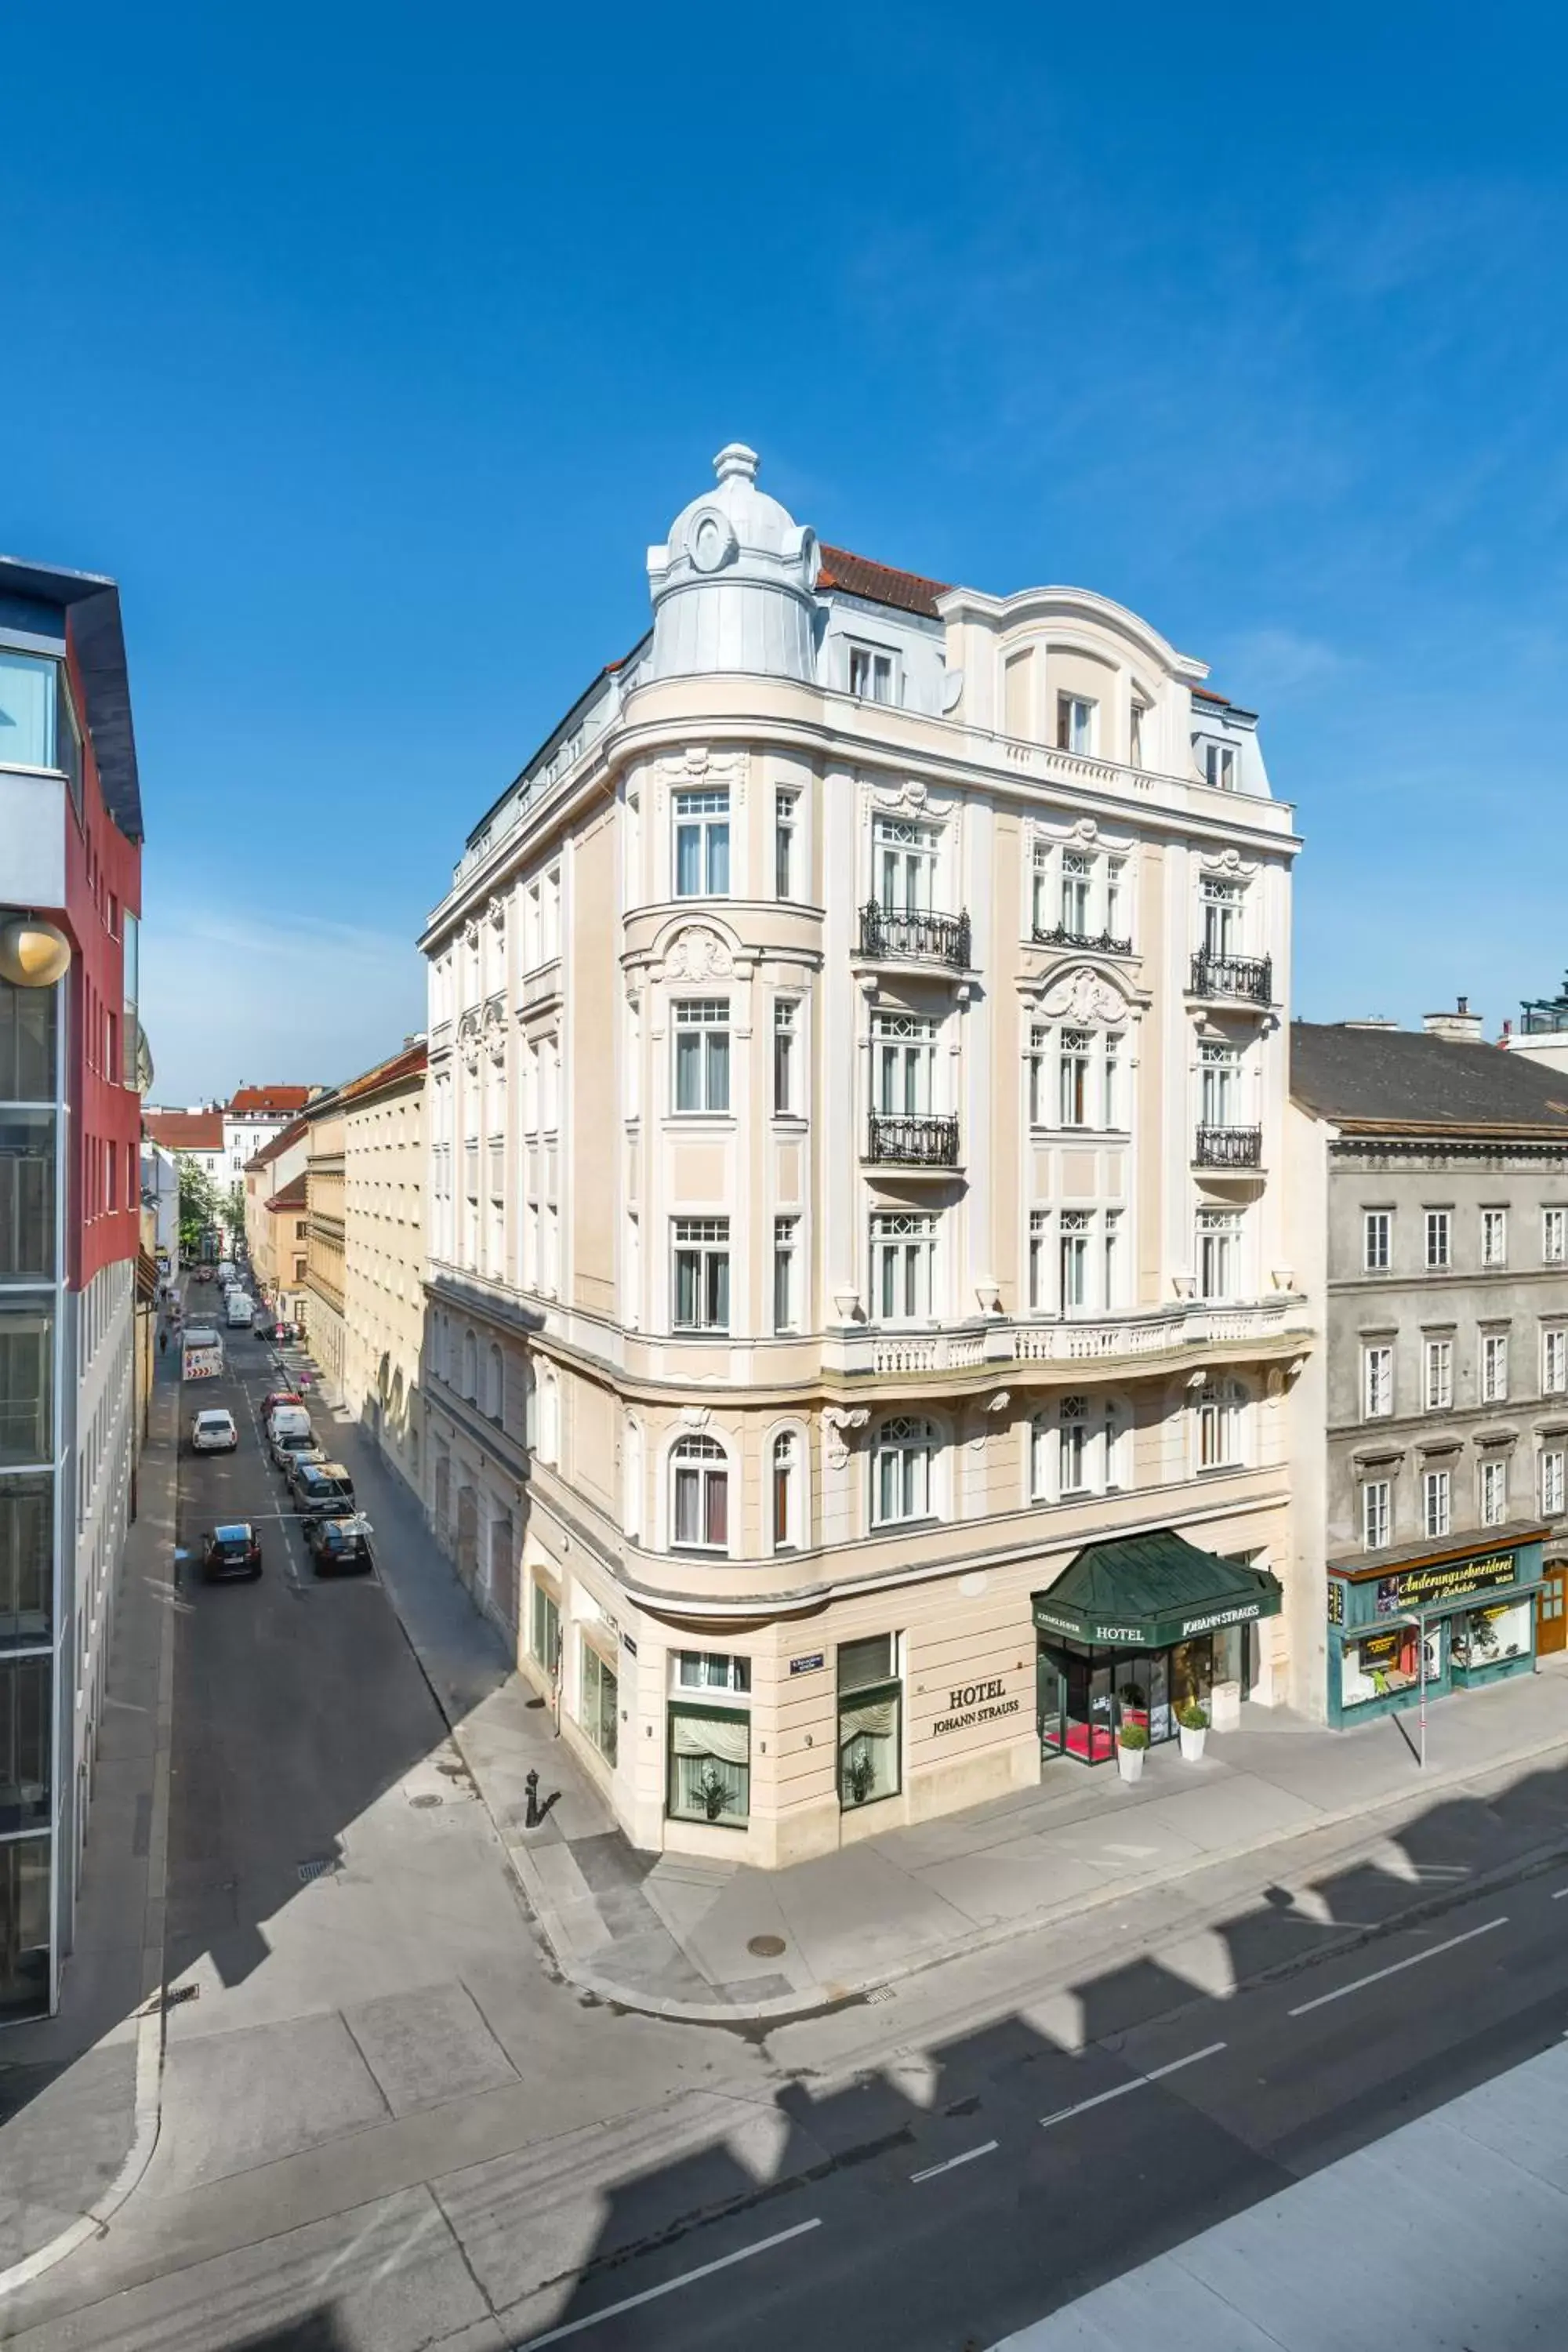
(292, 1196)
(405, 1065)
(295, 1132)
(256, 1102)
(856, 575)
(1207, 694)
(185, 1131)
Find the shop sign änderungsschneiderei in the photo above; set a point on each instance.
(1430, 1587)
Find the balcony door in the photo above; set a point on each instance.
(905, 866)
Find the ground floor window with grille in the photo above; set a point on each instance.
(544, 1628)
(709, 1764)
(599, 1709)
(870, 1720)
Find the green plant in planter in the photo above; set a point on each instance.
(860, 1776)
(714, 1792)
(1133, 1735)
(1193, 1717)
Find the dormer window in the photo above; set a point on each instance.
(1075, 723)
(870, 674)
(1220, 766)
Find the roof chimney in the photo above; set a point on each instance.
(1460, 1027)
(1371, 1021)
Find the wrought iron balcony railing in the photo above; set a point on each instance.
(1249, 977)
(920, 936)
(1229, 1146)
(904, 1142)
(1098, 943)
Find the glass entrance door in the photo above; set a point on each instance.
(1089, 1733)
(1192, 1673)
(1051, 1697)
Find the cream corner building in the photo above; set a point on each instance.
(857, 1101)
(383, 1253)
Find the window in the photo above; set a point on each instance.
(1551, 1484)
(28, 1022)
(870, 674)
(494, 1383)
(600, 1710)
(1439, 1240)
(904, 862)
(712, 1670)
(787, 807)
(786, 1236)
(702, 1273)
(1075, 724)
(903, 1059)
(709, 1764)
(27, 1192)
(1494, 1236)
(902, 1462)
(1139, 713)
(700, 1519)
(25, 1728)
(1222, 902)
(1219, 766)
(1220, 1077)
(1494, 1493)
(1376, 1382)
(1074, 1058)
(785, 1491)
(1039, 1261)
(702, 1054)
(544, 1629)
(1375, 1513)
(1554, 1363)
(1494, 1369)
(1220, 1254)
(1438, 1388)
(702, 844)
(1072, 1256)
(1113, 1259)
(28, 708)
(1072, 1446)
(870, 1720)
(784, 1011)
(1377, 1241)
(903, 1251)
(1078, 881)
(1553, 1236)
(1219, 1425)
(1435, 1502)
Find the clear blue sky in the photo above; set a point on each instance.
(371, 346)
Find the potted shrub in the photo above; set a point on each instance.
(1193, 1721)
(1132, 1742)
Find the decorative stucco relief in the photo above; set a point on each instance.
(697, 953)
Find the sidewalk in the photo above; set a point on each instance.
(78, 2092)
(673, 1936)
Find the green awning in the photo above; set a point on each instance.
(1146, 1591)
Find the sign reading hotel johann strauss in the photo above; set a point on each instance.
(972, 1703)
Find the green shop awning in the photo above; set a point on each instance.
(1146, 1591)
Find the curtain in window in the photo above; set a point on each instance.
(710, 1759)
(868, 1749)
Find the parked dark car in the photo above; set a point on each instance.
(320, 1487)
(338, 1547)
(233, 1550)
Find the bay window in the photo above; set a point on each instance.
(702, 844)
(700, 1495)
(702, 1273)
(784, 1495)
(702, 1054)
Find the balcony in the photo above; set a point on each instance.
(905, 1141)
(1248, 979)
(1096, 943)
(891, 934)
(1228, 1147)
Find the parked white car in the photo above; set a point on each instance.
(213, 1432)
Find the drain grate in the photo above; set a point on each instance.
(181, 1994)
(764, 1948)
(322, 1867)
(880, 1993)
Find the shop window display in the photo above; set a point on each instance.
(1484, 1637)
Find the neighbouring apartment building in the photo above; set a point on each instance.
(383, 1253)
(196, 1134)
(252, 1117)
(275, 1220)
(860, 1310)
(323, 1300)
(72, 1061)
(1429, 1201)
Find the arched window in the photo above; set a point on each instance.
(1079, 1447)
(785, 1490)
(495, 1383)
(901, 1463)
(1220, 1426)
(470, 1381)
(700, 1495)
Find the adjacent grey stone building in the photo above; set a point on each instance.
(1429, 1200)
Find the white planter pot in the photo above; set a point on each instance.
(1191, 1744)
(1130, 1762)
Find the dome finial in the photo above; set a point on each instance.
(735, 460)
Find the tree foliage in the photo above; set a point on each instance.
(201, 1206)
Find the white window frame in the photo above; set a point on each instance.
(702, 814)
(786, 1058)
(1078, 724)
(1221, 1426)
(1494, 1491)
(1554, 1363)
(1437, 1375)
(706, 1243)
(1552, 1482)
(1222, 916)
(1494, 1237)
(1438, 1229)
(1437, 1502)
(1039, 1261)
(903, 1065)
(906, 854)
(786, 843)
(707, 1020)
(1376, 1514)
(1553, 1236)
(1220, 1234)
(1222, 766)
(1376, 1241)
(904, 1451)
(903, 1267)
(1494, 1368)
(786, 1273)
(871, 672)
(787, 1453)
(701, 1459)
(1377, 1381)
(1221, 1071)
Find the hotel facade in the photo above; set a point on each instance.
(860, 1318)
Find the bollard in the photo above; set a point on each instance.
(531, 1820)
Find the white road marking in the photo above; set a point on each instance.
(652, 2293)
(967, 2157)
(1394, 1966)
(1138, 2082)
(1562, 1891)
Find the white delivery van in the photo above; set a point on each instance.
(226, 1269)
(287, 1432)
(238, 1312)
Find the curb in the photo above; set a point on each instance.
(782, 2007)
(150, 2016)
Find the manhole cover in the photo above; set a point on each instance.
(764, 1948)
(423, 1804)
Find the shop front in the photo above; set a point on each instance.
(1135, 1629)
(1426, 1622)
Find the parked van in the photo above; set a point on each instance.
(226, 1269)
(286, 1432)
(238, 1312)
